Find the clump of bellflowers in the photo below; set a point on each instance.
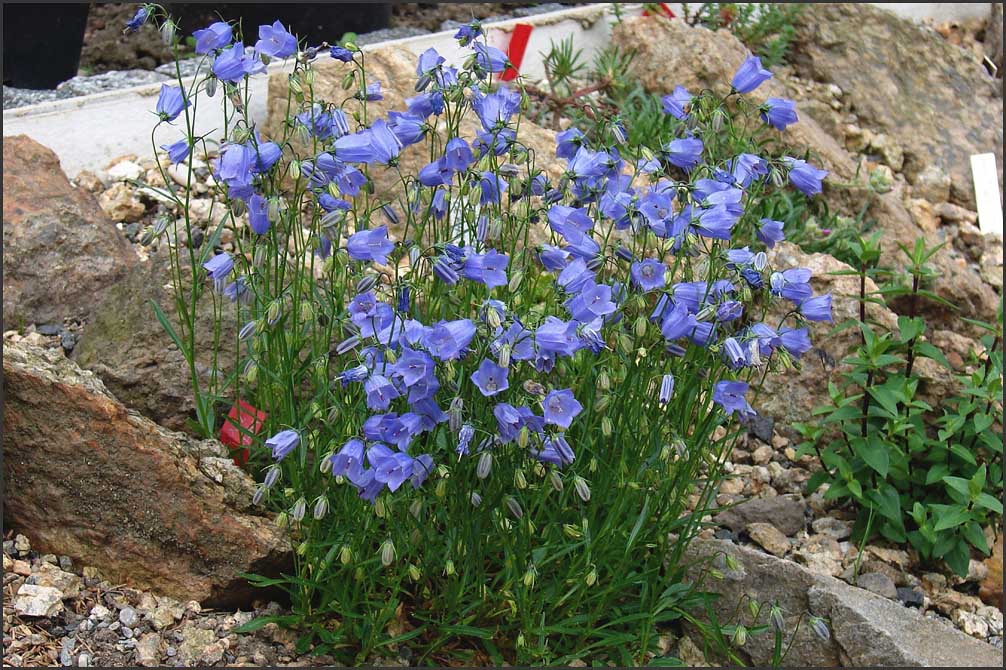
(491, 395)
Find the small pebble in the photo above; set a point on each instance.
(128, 617)
(84, 661)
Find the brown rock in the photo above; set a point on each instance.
(933, 99)
(769, 538)
(60, 250)
(108, 487)
(121, 203)
(991, 590)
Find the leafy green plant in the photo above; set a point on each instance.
(929, 476)
(766, 28)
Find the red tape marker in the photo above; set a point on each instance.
(515, 50)
(663, 8)
(251, 420)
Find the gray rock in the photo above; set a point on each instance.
(911, 596)
(128, 348)
(762, 427)
(787, 513)
(128, 617)
(879, 583)
(866, 629)
(38, 601)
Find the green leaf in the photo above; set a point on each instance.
(955, 517)
(929, 351)
(986, 501)
(964, 454)
(936, 473)
(958, 559)
(973, 534)
(910, 328)
(875, 454)
(886, 399)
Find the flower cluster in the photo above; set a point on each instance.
(488, 319)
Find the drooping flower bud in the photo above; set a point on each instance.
(320, 506)
(298, 510)
(387, 552)
(582, 488)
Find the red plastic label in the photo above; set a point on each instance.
(515, 50)
(249, 419)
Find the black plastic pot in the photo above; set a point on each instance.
(41, 43)
(314, 22)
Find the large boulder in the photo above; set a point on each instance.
(99, 483)
(865, 629)
(136, 358)
(61, 251)
(902, 79)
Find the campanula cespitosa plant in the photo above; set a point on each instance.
(496, 390)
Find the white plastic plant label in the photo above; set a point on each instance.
(986, 178)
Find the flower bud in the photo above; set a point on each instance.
(639, 328)
(414, 572)
(776, 619)
(281, 520)
(820, 628)
(380, 510)
(298, 510)
(454, 414)
(520, 481)
(449, 567)
(272, 312)
(345, 555)
(485, 465)
(272, 476)
(211, 86)
(168, 29)
(347, 81)
(606, 426)
(530, 576)
(309, 76)
(441, 489)
(555, 479)
(731, 563)
(259, 495)
(603, 381)
(572, 532)
(475, 498)
(625, 343)
(581, 487)
(592, 465)
(602, 403)
(302, 548)
(523, 437)
(514, 507)
(740, 635)
(321, 505)
(515, 281)
(387, 552)
(416, 508)
(591, 577)
(504, 355)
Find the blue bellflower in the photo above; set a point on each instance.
(275, 41)
(170, 102)
(779, 112)
(750, 75)
(215, 36)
